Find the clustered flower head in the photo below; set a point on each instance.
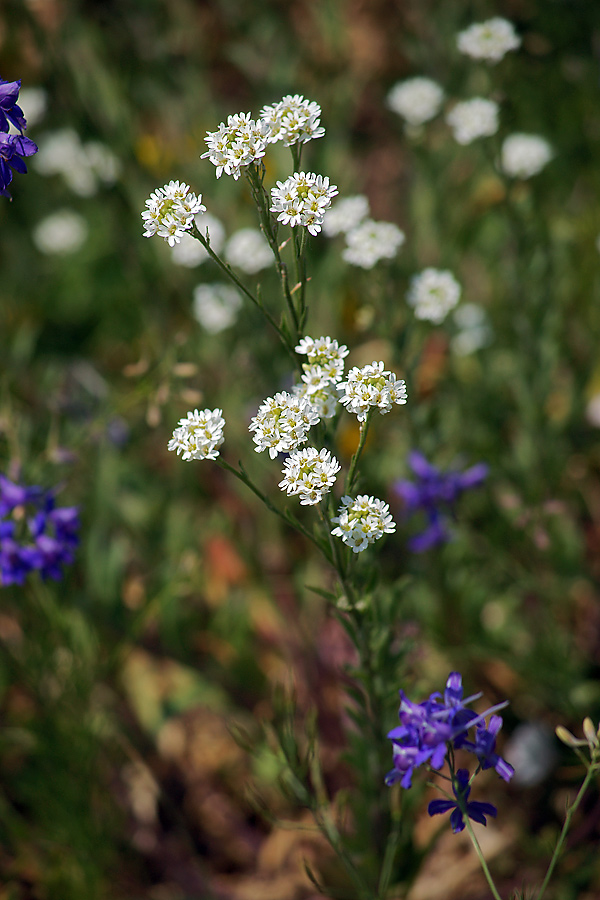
(428, 730)
(293, 120)
(417, 100)
(362, 521)
(371, 241)
(282, 423)
(433, 293)
(326, 353)
(35, 534)
(13, 147)
(473, 119)
(490, 40)
(435, 493)
(310, 473)
(236, 144)
(199, 435)
(302, 199)
(524, 155)
(170, 211)
(371, 387)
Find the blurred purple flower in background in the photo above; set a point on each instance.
(40, 538)
(435, 493)
(13, 147)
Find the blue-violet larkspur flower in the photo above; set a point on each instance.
(475, 809)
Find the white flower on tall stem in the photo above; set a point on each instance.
(524, 155)
(302, 199)
(282, 423)
(490, 40)
(345, 214)
(199, 435)
(170, 211)
(417, 100)
(371, 387)
(310, 473)
(473, 119)
(362, 521)
(326, 353)
(371, 241)
(237, 143)
(292, 120)
(433, 293)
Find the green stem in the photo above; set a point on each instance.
(351, 478)
(480, 856)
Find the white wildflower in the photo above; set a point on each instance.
(199, 435)
(326, 353)
(345, 215)
(362, 521)
(524, 155)
(248, 250)
(170, 211)
(474, 331)
(324, 398)
(216, 306)
(433, 293)
(238, 142)
(83, 166)
(302, 199)
(61, 233)
(309, 473)
(372, 241)
(417, 100)
(292, 120)
(371, 387)
(473, 119)
(489, 40)
(282, 423)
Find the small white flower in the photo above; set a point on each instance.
(433, 293)
(326, 353)
(489, 40)
(524, 155)
(216, 306)
(248, 250)
(325, 398)
(345, 215)
(417, 100)
(371, 386)
(473, 119)
(170, 211)
(282, 423)
(372, 241)
(238, 142)
(82, 166)
(310, 474)
(60, 233)
(362, 521)
(302, 199)
(292, 120)
(199, 435)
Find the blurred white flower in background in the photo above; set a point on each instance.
(524, 155)
(417, 100)
(473, 119)
(345, 214)
(474, 331)
(433, 293)
(216, 306)
(60, 233)
(490, 40)
(33, 101)
(248, 250)
(84, 167)
(189, 251)
(371, 241)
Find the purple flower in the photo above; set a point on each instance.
(433, 492)
(35, 534)
(9, 111)
(12, 148)
(484, 748)
(475, 809)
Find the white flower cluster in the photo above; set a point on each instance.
(216, 306)
(473, 119)
(84, 167)
(282, 423)
(371, 386)
(489, 40)
(417, 100)
(524, 155)
(371, 241)
(199, 435)
(345, 214)
(309, 473)
(302, 199)
(248, 250)
(321, 374)
(292, 120)
(362, 521)
(237, 143)
(170, 211)
(433, 293)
